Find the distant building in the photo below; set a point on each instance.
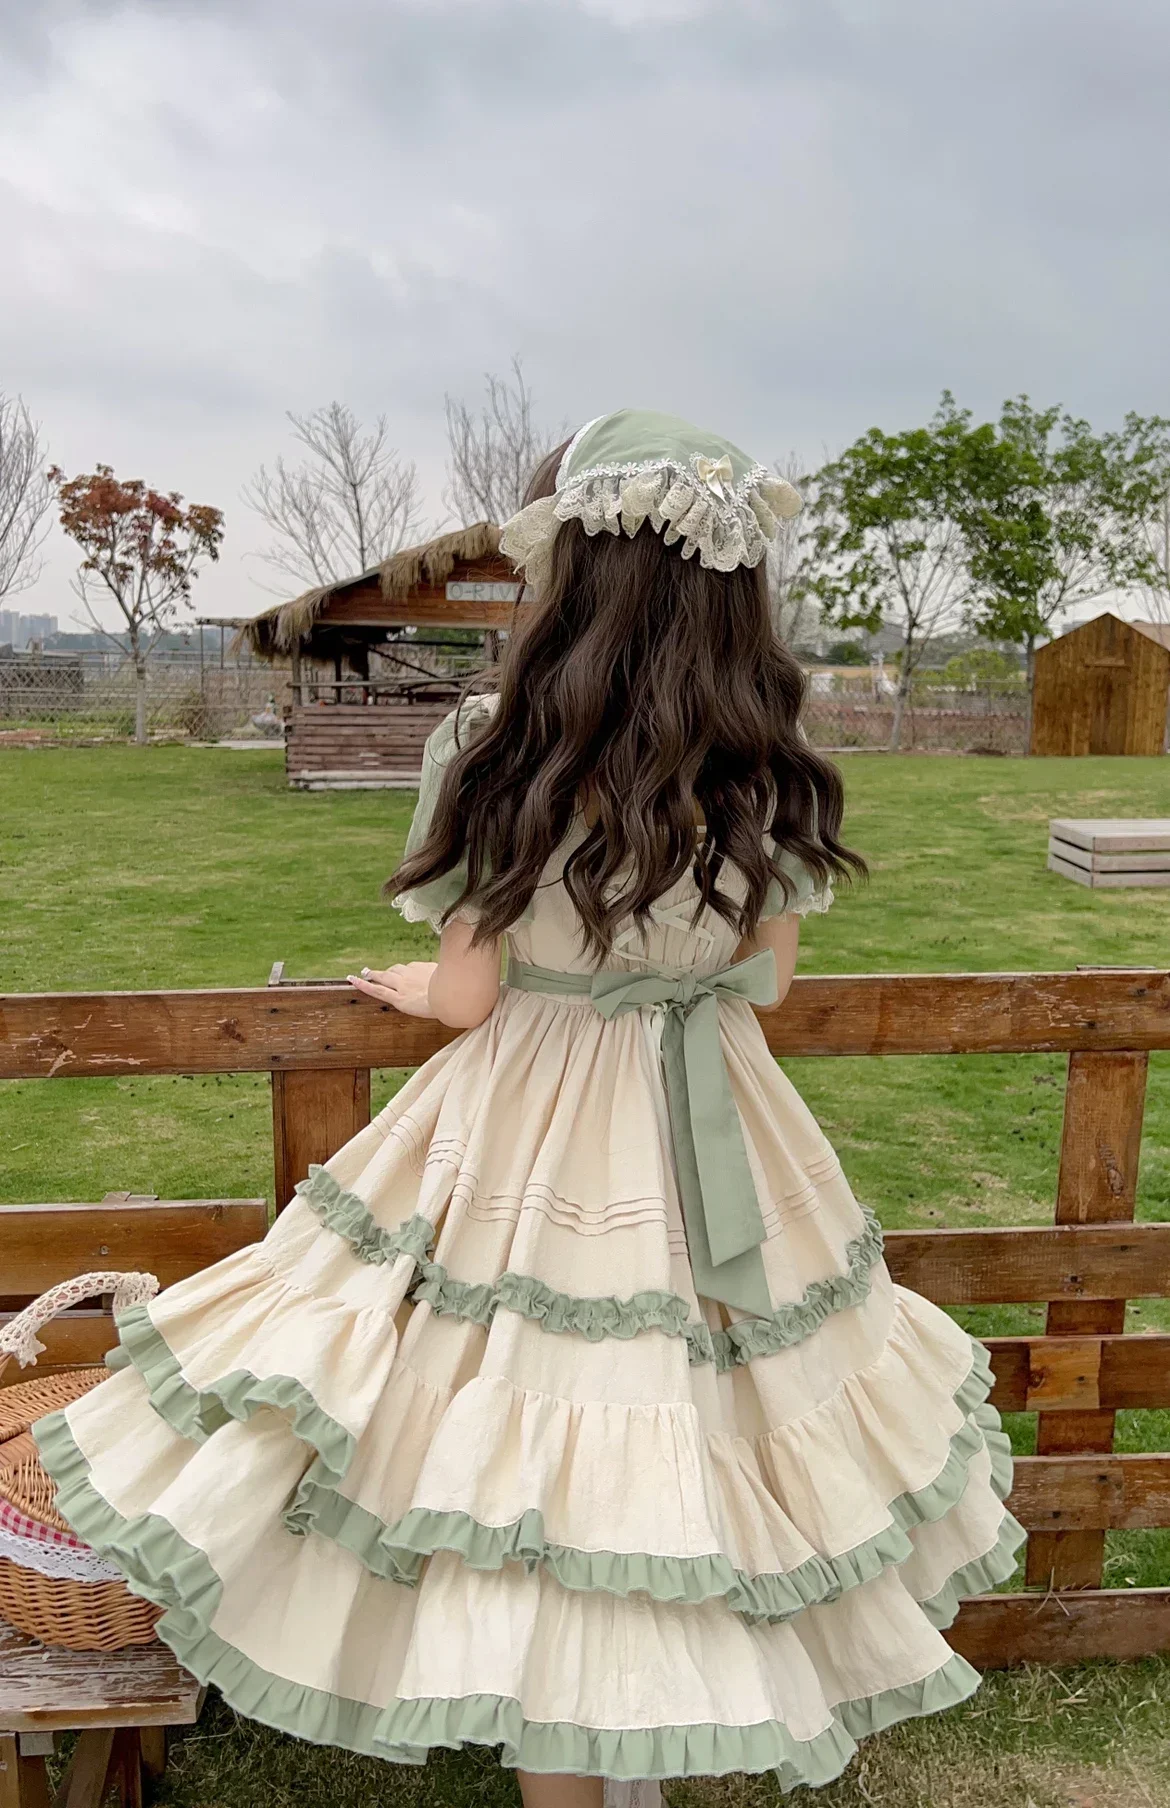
(17, 630)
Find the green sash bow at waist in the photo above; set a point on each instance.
(722, 1213)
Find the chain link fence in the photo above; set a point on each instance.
(91, 696)
(86, 696)
(849, 711)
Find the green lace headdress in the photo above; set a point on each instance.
(631, 467)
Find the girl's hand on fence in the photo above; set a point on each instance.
(406, 987)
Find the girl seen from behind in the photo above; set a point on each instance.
(570, 1408)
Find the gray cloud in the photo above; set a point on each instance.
(791, 220)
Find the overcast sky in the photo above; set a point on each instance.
(788, 221)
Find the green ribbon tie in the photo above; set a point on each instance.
(721, 1211)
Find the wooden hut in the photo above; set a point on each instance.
(371, 674)
(1102, 688)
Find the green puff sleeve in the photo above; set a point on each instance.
(809, 895)
(427, 903)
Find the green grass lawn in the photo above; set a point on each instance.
(180, 866)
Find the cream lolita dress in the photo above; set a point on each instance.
(460, 1453)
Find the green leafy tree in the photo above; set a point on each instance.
(1155, 532)
(983, 668)
(847, 652)
(888, 537)
(1059, 519)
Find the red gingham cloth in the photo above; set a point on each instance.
(13, 1521)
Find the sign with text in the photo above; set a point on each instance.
(482, 593)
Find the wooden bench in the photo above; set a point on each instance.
(120, 1702)
(169, 1238)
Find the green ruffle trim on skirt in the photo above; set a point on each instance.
(593, 1318)
(792, 1323)
(598, 1317)
(196, 1413)
(160, 1565)
(608, 1316)
(398, 1551)
(978, 1576)
(343, 1212)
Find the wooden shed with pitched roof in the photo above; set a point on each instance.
(374, 664)
(1102, 688)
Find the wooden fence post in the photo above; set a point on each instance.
(1099, 1152)
(315, 1111)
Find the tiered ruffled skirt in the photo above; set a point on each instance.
(456, 1455)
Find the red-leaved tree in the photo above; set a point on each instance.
(143, 550)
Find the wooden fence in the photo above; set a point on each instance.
(319, 1042)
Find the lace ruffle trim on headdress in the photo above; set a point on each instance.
(697, 502)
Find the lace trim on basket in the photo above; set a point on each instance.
(60, 1562)
(19, 1336)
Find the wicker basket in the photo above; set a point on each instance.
(57, 1609)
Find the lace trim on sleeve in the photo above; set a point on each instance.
(409, 907)
(813, 906)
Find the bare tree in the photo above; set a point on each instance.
(493, 453)
(352, 503)
(26, 496)
(1155, 588)
(789, 568)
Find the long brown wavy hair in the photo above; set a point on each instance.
(660, 692)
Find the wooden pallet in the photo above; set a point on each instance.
(1111, 852)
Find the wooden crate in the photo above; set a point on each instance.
(1110, 852)
(319, 1043)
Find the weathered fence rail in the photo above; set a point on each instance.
(319, 1043)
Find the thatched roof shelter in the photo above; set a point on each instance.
(459, 579)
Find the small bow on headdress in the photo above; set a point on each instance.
(714, 472)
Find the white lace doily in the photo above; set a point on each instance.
(76, 1563)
